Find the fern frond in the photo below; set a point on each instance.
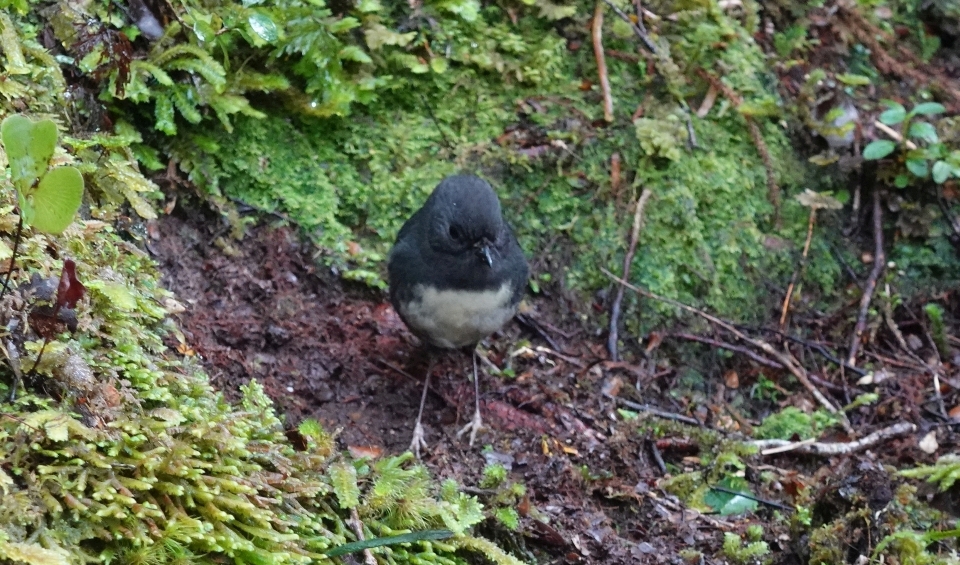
(164, 114)
(183, 50)
(215, 75)
(141, 67)
(226, 105)
(186, 101)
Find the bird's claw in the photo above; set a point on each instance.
(473, 427)
(417, 442)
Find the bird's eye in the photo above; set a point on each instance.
(454, 232)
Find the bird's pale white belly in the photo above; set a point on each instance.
(457, 318)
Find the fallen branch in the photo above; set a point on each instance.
(627, 261)
(879, 261)
(770, 446)
(659, 413)
(730, 347)
(637, 27)
(597, 32)
(787, 361)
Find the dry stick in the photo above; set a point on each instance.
(879, 261)
(628, 57)
(657, 457)
(597, 29)
(13, 256)
(660, 413)
(894, 134)
(800, 268)
(787, 361)
(368, 557)
(730, 347)
(627, 261)
(640, 31)
(769, 446)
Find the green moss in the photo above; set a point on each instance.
(792, 421)
(704, 237)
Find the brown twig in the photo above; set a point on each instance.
(730, 347)
(879, 261)
(773, 189)
(800, 268)
(787, 361)
(657, 457)
(628, 57)
(357, 525)
(627, 261)
(767, 446)
(637, 27)
(660, 413)
(597, 33)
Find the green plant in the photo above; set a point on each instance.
(944, 473)
(938, 329)
(48, 196)
(931, 159)
(742, 553)
(505, 497)
(791, 421)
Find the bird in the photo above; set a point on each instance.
(456, 274)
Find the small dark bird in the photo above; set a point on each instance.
(457, 275)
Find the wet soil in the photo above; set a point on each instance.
(261, 308)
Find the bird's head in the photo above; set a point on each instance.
(465, 219)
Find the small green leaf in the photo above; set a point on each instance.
(468, 10)
(878, 149)
(58, 429)
(439, 65)
(928, 109)
(263, 27)
(367, 6)
(29, 148)
(119, 296)
(901, 181)
(731, 503)
(894, 114)
(354, 53)
(56, 200)
(918, 167)
(853, 80)
(941, 171)
(924, 131)
(343, 478)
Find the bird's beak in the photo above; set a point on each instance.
(484, 250)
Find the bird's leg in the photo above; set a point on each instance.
(477, 422)
(417, 442)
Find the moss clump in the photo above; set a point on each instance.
(351, 182)
(136, 459)
(791, 421)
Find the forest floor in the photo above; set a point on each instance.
(260, 308)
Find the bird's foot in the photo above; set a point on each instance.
(418, 440)
(473, 427)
